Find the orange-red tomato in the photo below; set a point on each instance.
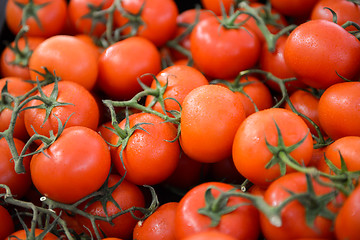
(294, 8)
(210, 116)
(21, 235)
(70, 58)
(7, 225)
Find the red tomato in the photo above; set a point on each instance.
(16, 87)
(70, 58)
(21, 235)
(62, 171)
(149, 156)
(339, 113)
(82, 105)
(181, 79)
(158, 17)
(210, 116)
(209, 235)
(19, 183)
(7, 225)
(126, 195)
(14, 64)
(189, 221)
(159, 225)
(294, 8)
(50, 24)
(89, 40)
(250, 153)
(235, 50)
(215, 5)
(313, 54)
(345, 11)
(137, 56)
(293, 215)
(80, 16)
(347, 221)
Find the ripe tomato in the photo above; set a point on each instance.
(80, 16)
(50, 24)
(17, 65)
(19, 183)
(209, 235)
(294, 8)
(210, 116)
(63, 170)
(339, 113)
(21, 235)
(82, 105)
(159, 225)
(7, 225)
(345, 11)
(250, 153)
(313, 54)
(16, 87)
(189, 221)
(137, 56)
(234, 49)
(70, 58)
(293, 215)
(347, 221)
(149, 156)
(306, 103)
(215, 5)
(181, 79)
(126, 195)
(158, 17)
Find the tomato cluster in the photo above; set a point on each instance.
(145, 119)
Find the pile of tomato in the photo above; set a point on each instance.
(139, 119)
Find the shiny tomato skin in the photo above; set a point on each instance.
(250, 152)
(144, 165)
(82, 105)
(7, 225)
(7, 69)
(294, 225)
(316, 59)
(234, 49)
(127, 195)
(21, 235)
(78, 155)
(16, 87)
(188, 221)
(347, 221)
(19, 183)
(338, 109)
(159, 225)
(202, 138)
(51, 24)
(138, 56)
(294, 8)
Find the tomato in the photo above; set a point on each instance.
(181, 79)
(126, 195)
(7, 225)
(210, 116)
(50, 24)
(251, 154)
(294, 8)
(348, 218)
(306, 103)
(158, 18)
(339, 114)
(19, 183)
(70, 58)
(21, 235)
(81, 104)
(189, 221)
(293, 215)
(209, 235)
(16, 87)
(234, 49)
(159, 225)
(137, 56)
(62, 171)
(313, 54)
(345, 11)
(80, 15)
(215, 5)
(89, 40)
(14, 64)
(274, 62)
(150, 156)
